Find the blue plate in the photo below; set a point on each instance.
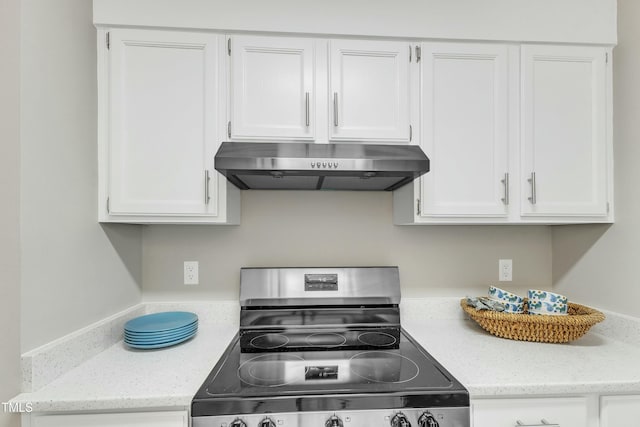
(159, 322)
(159, 345)
(161, 334)
(168, 337)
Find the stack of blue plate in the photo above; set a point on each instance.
(160, 329)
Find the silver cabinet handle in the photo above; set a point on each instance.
(206, 187)
(335, 109)
(306, 109)
(543, 423)
(505, 182)
(532, 181)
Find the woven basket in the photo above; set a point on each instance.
(538, 328)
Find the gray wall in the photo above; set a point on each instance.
(340, 228)
(599, 264)
(74, 271)
(10, 196)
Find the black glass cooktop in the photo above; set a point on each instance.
(396, 374)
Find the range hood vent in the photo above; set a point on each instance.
(304, 166)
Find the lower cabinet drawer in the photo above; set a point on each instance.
(130, 419)
(616, 411)
(560, 412)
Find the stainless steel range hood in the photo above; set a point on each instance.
(304, 166)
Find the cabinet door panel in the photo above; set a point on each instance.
(271, 92)
(566, 412)
(369, 90)
(162, 119)
(465, 125)
(563, 130)
(616, 411)
(134, 419)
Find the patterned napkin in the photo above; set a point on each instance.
(484, 303)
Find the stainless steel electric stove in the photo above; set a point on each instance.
(323, 347)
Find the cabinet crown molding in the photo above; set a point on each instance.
(592, 21)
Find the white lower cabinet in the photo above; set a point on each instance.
(555, 412)
(619, 411)
(132, 419)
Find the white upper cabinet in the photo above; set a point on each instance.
(158, 128)
(514, 135)
(271, 90)
(564, 131)
(369, 91)
(465, 130)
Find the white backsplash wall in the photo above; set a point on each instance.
(74, 272)
(300, 228)
(10, 212)
(599, 264)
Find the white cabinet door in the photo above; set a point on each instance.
(162, 109)
(465, 129)
(133, 419)
(563, 125)
(271, 89)
(369, 91)
(564, 412)
(619, 411)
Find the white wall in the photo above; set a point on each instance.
(74, 271)
(340, 229)
(599, 264)
(10, 211)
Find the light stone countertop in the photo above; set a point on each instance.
(121, 378)
(489, 366)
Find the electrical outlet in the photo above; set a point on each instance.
(505, 270)
(191, 272)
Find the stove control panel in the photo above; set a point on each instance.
(405, 417)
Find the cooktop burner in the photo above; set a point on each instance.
(383, 367)
(326, 340)
(269, 341)
(377, 339)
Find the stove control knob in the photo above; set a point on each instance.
(400, 420)
(238, 423)
(267, 422)
(334, 421)
(427, 420)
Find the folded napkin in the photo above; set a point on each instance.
(484, 303)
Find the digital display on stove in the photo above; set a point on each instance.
(321, 373)
(320, 282)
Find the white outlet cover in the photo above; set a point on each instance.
(505, 270)
(191, 273)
